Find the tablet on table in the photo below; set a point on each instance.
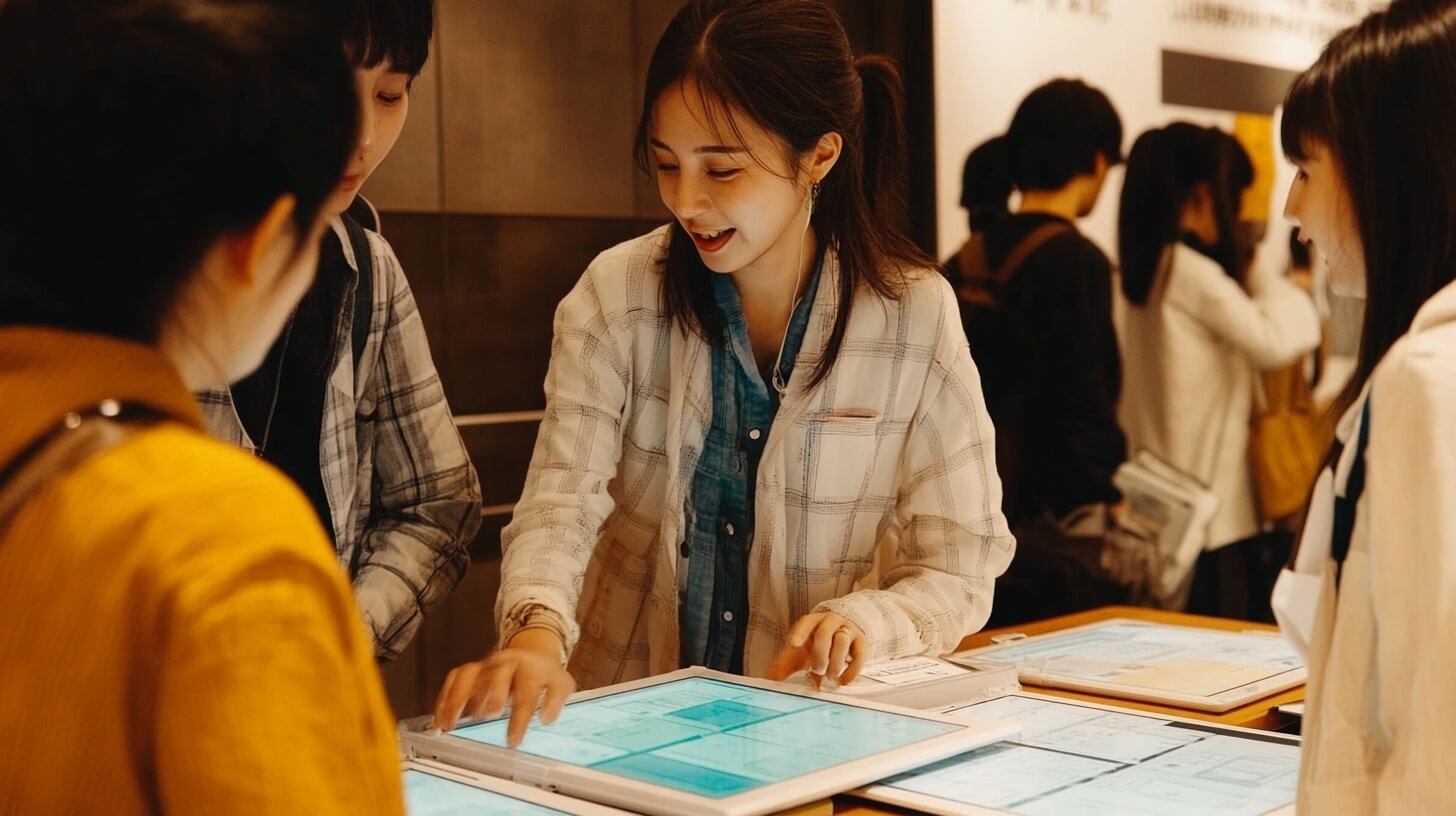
(699, 741)
(1186, 666)
(1083, 758)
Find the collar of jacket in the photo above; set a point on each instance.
(1440, 309)
(46, 373)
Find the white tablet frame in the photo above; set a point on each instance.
(420, 741)
(900, 797)
(1224, 701)
(523, 793)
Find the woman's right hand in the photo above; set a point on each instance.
(528, 672)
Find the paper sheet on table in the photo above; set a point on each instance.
(1201, 678)
(909, 670)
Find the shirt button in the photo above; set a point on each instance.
(686, 550)
(728, 528)
(728, 616)
(755, 434)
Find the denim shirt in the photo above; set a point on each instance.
(714, 603)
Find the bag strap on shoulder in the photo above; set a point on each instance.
(75, 439)
(363, 289)
(985, 287)
(1346, 505)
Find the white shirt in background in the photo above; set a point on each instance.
(1189, 358)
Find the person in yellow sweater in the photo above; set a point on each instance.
(175, 634)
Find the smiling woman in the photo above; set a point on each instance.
(749, 408)
(809, 106)
(747, 216)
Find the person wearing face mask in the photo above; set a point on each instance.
(177, 637)
(348, 402)
(765, 446)
(1194, 329)
(1370, 595)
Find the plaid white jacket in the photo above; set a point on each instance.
(398, 478)
(886, 467)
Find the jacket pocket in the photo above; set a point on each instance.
(841, 450)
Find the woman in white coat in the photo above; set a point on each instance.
(1371, 592)
(1194, 330)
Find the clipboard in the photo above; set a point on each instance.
(1185, 666)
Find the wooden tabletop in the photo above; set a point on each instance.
(1259, 714)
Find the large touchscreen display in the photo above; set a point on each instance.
(428, 795)
(713, 738)
(1073, 759)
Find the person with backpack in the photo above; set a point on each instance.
(1036, 304)
(177, 637)
(348, 402)
(765, 446)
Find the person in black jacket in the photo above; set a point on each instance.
(1036, 302)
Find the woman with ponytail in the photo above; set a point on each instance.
(765, 446)
(1195, 329)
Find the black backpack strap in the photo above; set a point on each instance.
(76, 438)
(363, 320)
(364, 289)
(1345, 505)
(363, 212)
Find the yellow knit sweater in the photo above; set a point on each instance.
(175, 633)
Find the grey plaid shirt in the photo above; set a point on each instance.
(877, 495)
(399, 481)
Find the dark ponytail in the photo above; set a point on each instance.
(1165, 166)
(986, 182)
(885, 142)
(1149, 213)
(788, 67)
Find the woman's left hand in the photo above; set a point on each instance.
(833, 649)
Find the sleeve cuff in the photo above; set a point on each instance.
(390, 612)
(532, 615)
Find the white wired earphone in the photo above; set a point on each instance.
(778, 377)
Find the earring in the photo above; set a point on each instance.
(814, 190)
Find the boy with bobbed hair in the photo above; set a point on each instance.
(348, 402)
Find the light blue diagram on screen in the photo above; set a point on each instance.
(711, 738)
